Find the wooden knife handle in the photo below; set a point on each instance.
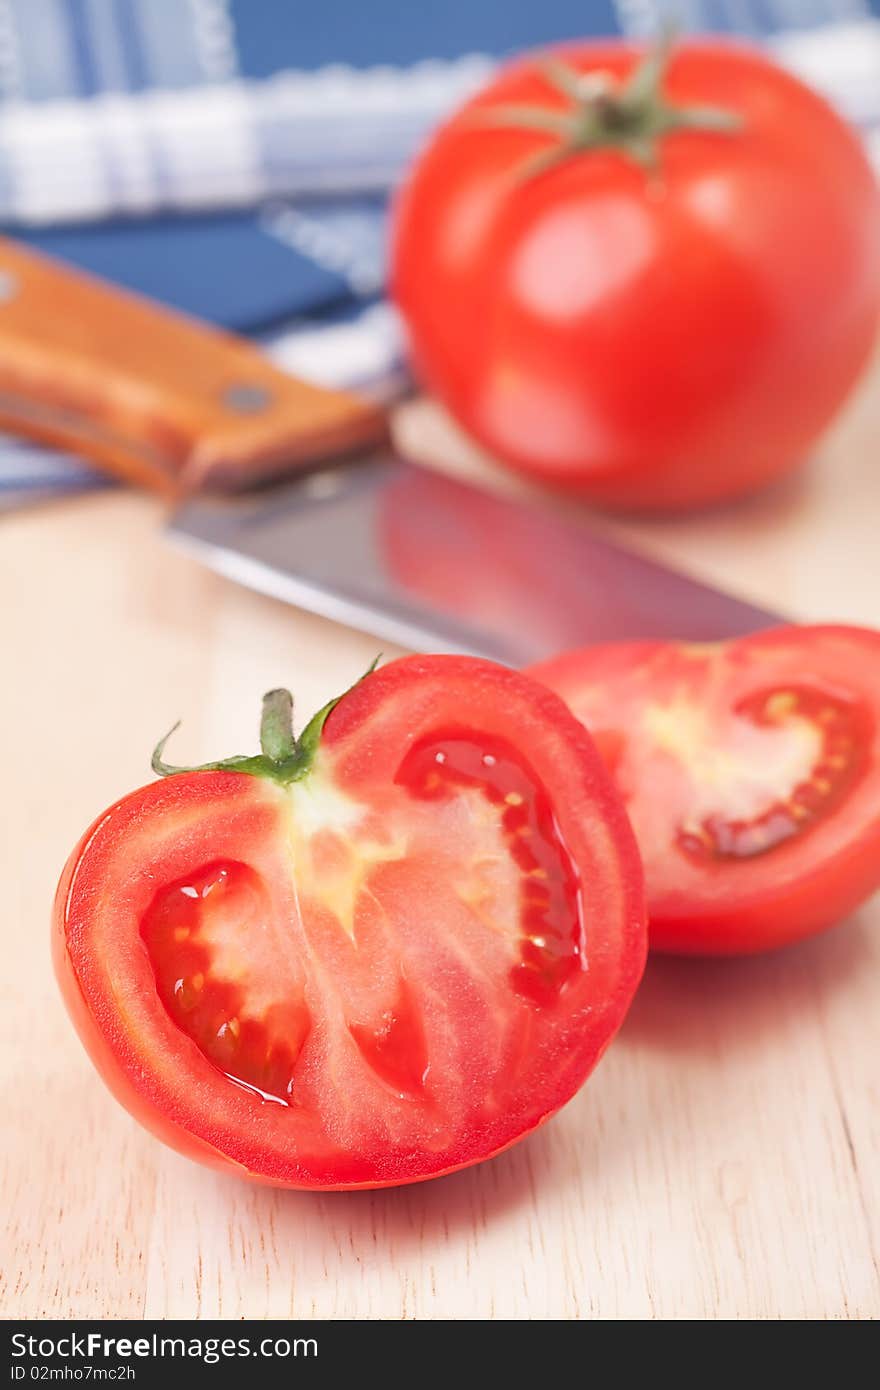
(152, 395)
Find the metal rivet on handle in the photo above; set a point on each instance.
(246, 398)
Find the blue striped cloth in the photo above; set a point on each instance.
(233, 157)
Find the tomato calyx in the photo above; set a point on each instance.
(631, 116)
(283, 758)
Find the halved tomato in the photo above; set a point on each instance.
(370, 956)
(751, 773)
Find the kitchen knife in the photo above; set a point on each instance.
(292, 489)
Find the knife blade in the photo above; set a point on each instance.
(427, 561)
(413, 556)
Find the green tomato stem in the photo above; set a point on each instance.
(632, 116)
(276, 726)
(284, 758)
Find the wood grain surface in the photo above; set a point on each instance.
(721, 1163)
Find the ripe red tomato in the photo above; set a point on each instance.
(751, 773)
(660, 336)
(377, 954)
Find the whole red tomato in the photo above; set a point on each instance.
(652, 279)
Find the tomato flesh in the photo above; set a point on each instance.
(255, 1043)
(750, 774)
(840, 732)
(194, 931)
(551, 909)
(391, 968)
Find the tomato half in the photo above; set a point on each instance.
(656, 290)
(377, 954)
(751, 773)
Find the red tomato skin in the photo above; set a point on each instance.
(117, 1061)
(121, 1057)
(811, 893)
(653, 344)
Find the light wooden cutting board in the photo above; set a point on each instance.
(722, 1162)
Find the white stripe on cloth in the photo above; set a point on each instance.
(231, 144)
(338, 130)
